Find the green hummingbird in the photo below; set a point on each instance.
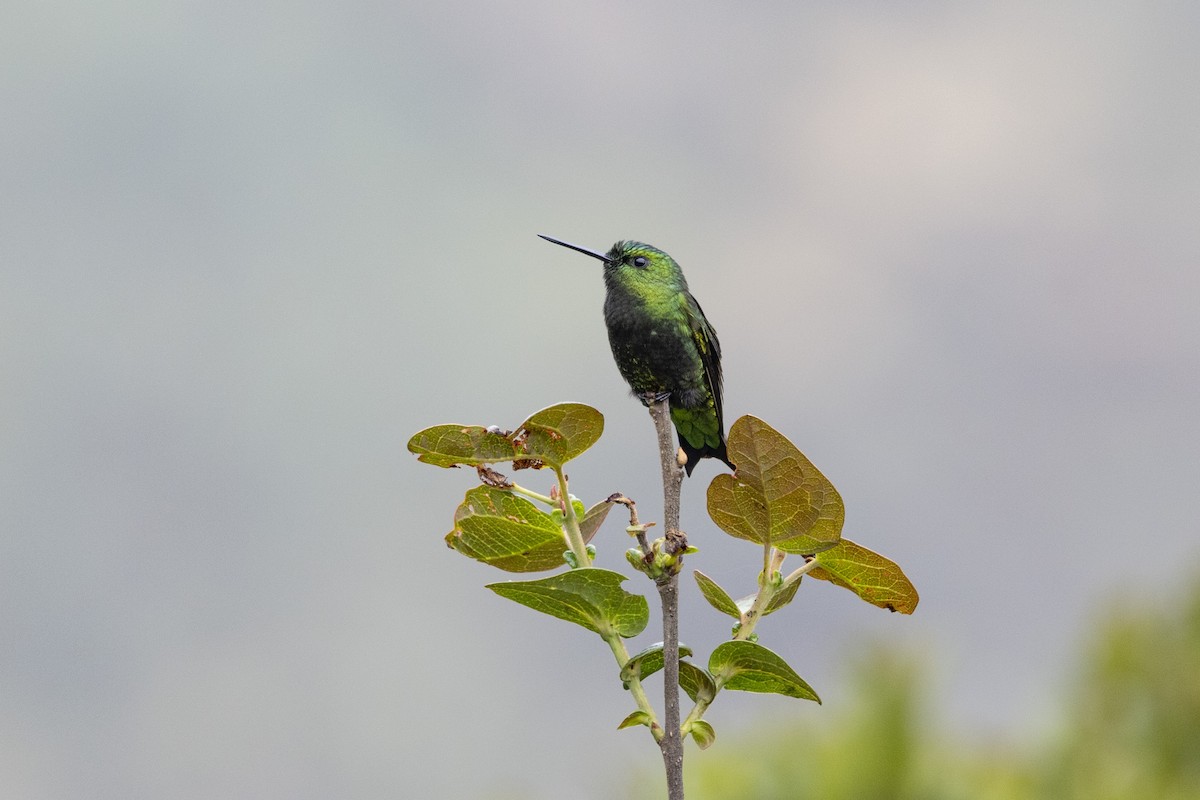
(663, 344)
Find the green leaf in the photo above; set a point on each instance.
(702, 734)
(698, 684)
(552, 436)
(593, 519)
(776, 496)
(749, 667)
(559, 433)
(784, 594)
(507, 531)
(589, 597)
(648, 662)
(876, 579)
(451, 445)
(717, 597)
(638, 717)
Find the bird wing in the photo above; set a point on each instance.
(709, 348)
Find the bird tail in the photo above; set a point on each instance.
(694, 454)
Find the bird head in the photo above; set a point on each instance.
(635, 264)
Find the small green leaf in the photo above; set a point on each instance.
(744, 604)
(717, 597)
(590, 523)
(876, 579)
(776, 495)
(638, 717)
(592, 598)
(561, 519)
(784, 594)
(648, 662)
(698, 684)
(636, 559)
(749, 667)
(451, 445)
(702, 734)
(507, 531)
(559, 433)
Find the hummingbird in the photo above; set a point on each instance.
(663, 344)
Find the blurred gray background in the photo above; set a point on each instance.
(247, 250)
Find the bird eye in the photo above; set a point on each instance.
(640, 261)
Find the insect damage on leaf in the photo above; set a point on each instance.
(491, 477)
(528, 463)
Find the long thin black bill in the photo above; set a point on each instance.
(576, 248)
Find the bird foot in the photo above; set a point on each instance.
(650, 398)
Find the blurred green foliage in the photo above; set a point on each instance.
(1129, 730)
(1133, 729)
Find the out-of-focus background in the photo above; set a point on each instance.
(246, 250)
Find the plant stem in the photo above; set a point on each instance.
(808, 567)
(532, 495)
(574, 536)
(617, 645)
(675, 543)
(772, 561)
(697, 711)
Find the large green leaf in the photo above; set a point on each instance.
(776, 496)
(552, 437)
(592, 598)
(507, 531)
(452, 445)
(559, 433)
(750, 667)
(876, 579)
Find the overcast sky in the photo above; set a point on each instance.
(247, 251)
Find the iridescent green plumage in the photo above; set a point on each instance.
(663, 343)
